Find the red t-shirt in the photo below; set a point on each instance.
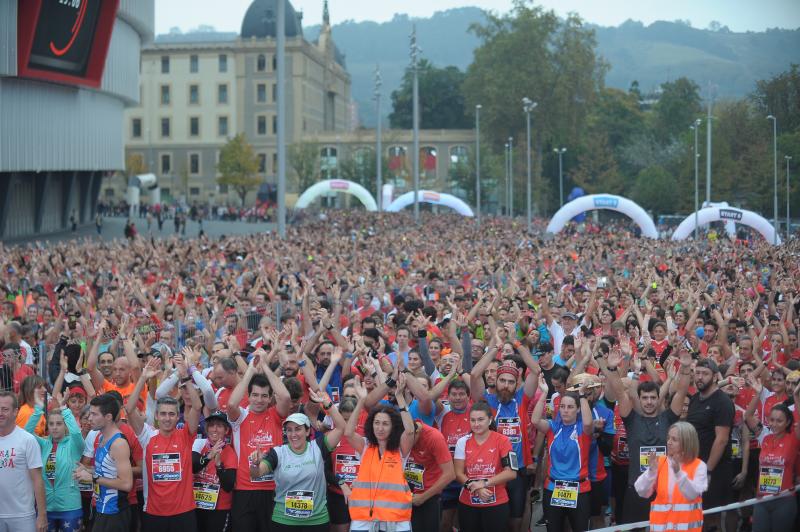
(206, 482)
(454, 427)
(223, 394)
(168, 471)
(619, 452)
(19, 376)
(777, 460)
(252, 431)
(483, 461)
(422, 468)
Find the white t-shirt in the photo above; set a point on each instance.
(19, 453)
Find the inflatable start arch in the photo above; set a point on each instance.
(726, 214)
(603, 201)
(435, 198)
(336, 185)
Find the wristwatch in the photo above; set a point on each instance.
(390, 382)
(95, 477)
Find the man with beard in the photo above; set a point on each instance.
(645, 426)
(711, 412)
(510, 404)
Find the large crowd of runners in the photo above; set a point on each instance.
(370, 374)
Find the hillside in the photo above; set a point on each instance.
(650, 54)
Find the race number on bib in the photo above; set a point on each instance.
(770, 479)
(299, 504)
(565, 494)
(644, 455)
(510, 427)
(50, 467)
(167, 467)
(205, 495)
(414, 473)
(347, 467)
(736, 448)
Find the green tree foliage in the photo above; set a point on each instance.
(462, 177)
(304, 160)
(238, 166)
(655, 190)
(780, 96)
(442, 106)
(359, 167)
(597, 170)
(678, 106)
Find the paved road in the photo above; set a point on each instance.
(113, 229)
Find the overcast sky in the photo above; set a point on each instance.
(738, 15)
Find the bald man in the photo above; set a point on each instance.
(125, 372)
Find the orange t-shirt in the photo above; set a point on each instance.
(125, 392)
(24, 414)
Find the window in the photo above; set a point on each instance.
(194, 163)
(261, 125)
(261, 93)
(458, 155)
(275, 62)
(274, 124)
(165, 64)
(165, 193)
(223, 63)
(136, 128)
(274, 163)
(222, 126)
(428, 157)
(274, 92)
(166, 163)
(165, 130)
(261, 63)
(194, 191)
(194, 94)
(262, 162)
(399, 166)
(222, 93)
(194, 126)
(328, 162)
(193, 64)
(164, 94)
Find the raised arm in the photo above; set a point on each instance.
(350, 429)
(684, 377)
(407, 438)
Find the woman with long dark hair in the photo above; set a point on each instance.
(380, 497)
(32, 391)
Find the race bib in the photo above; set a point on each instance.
(474, 499)
(770, 479)
(414, 473)
(299, 504)
(736, 449)
(205, 495)
(347, 467)
(50, 467)
(622, 448)
(565, 494)
(167, 467)
(644, 455)
(511, 428)
(85, 486)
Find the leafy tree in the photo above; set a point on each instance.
(655, 190)
(441, 99)
(780, 96)
(462, 177)
(677, 107)
(360, 168)
(238, 166)
(134, 164)
(597, 170)
(304, 160)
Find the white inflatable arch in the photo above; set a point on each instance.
(603, 201)
(336, 185)
(435, 198)
(726, 214)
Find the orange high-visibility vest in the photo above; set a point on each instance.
(671, 511)
(380, 491)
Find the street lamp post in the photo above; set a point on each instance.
(696, 127)
(511, 176)
(775, 174)
(788, 221)
(415, 50)
(378, 149)
(528, 106)
(708, 146)
(560, 152)
(506, 172)
(478, 162)
(281, 111)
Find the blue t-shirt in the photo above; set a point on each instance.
(413, 409)
(569, 448)
(510, 418)
(334, 387)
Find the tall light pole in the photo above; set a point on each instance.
(708, 147)
(511, 176)
(695, 127)
(788, 222)
(478, 162)
(281, 111)
(528, 106)
(378, 150)
(775, 174)
(506, 170)
(415, 50)
(560, 152)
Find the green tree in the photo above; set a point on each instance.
(780, 96)
(532, 53)
(304, 160)
(462, 177)
(238, 166)
(359, 167)
(441, 99)
(676, 109)
(655, 190)
(597, 170)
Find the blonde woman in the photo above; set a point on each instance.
(678, 481)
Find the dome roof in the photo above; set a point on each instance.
(260, 20)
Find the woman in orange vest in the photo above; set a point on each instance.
(380, 499)
(678, 480)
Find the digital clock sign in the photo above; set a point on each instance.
(65, 41)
